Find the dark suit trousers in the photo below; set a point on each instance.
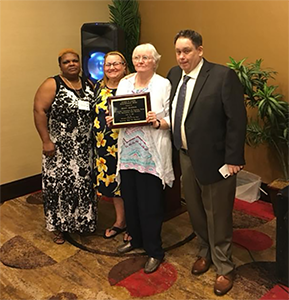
(143, 197)
(210, 208)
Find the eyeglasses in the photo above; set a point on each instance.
(144, 58)
(116, 63)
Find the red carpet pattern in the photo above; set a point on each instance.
(277, 292)
(252, 239)
(257, 278)
(130, 274)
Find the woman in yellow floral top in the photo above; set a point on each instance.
(105, 145)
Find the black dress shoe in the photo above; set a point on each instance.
(152, 264)
(124, 248)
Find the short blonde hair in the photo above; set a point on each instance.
(126, 71)
(65, 51)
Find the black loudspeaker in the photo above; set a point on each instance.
(97, 39)
(282, 236)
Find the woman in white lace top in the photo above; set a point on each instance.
(145, 158)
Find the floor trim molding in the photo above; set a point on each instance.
(20, 187)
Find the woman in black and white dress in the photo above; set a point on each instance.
(63, 117)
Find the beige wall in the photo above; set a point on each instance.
(32, 34)
(253, 29)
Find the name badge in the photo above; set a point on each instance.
(83, 105)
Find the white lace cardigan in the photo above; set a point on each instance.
(158, 140)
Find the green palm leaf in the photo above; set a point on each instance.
(125, 14)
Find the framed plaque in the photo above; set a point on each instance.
(129, 110)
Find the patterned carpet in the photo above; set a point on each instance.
(30, 249)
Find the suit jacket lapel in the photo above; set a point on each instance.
(174, 78)
(202, 77)
(175, 82)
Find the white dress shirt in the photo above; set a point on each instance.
(190, 88)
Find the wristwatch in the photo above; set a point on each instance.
(159, 124)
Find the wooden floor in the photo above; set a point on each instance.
(33, 267)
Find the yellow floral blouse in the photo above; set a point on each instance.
(105, 146)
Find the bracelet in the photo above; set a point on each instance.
(159, 124)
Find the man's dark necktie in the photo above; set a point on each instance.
(179, 113)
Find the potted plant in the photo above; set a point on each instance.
(125, 14)
(269, 120)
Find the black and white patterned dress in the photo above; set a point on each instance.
(70, 203)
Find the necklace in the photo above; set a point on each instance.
(77, 91)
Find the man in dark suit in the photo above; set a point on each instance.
(208, 129)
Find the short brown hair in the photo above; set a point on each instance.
(194, 36)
